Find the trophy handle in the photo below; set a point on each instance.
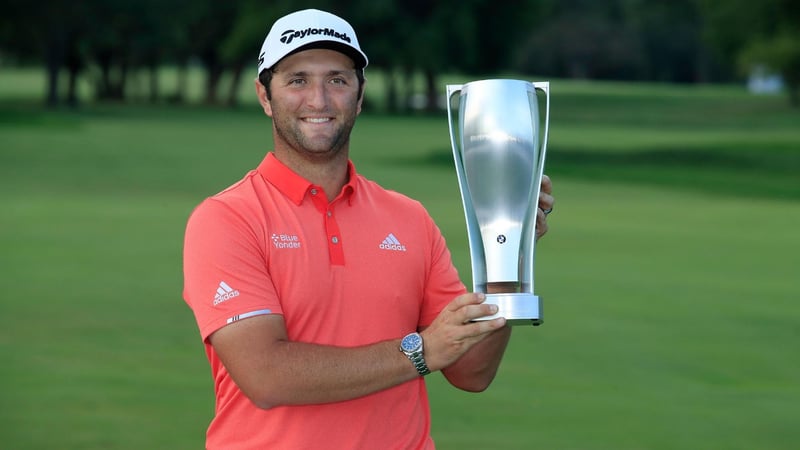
(473, 228)
(452, 90)
(543, 86)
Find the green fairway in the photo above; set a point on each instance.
(669, 276)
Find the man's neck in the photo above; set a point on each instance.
(330, 174)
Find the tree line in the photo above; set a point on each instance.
(677, 41)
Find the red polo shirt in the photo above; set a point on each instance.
(369, 266)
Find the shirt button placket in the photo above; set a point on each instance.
(332, 230)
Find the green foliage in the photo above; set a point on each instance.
(758, 34)
(668, 276)
(104, 40)
(779, 53)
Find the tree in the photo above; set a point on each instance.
(779, 52)
(616, 39)
(670, 38)
(758, 33)
(581, 45)
(380, 27)
(417, 36)
(49, 31)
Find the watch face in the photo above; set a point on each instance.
(411, 342)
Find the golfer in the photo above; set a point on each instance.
(323, 299)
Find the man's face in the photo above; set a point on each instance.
(314, 104)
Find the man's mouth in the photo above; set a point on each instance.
(317, 119)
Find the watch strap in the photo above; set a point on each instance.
(419, 363)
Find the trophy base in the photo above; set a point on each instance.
(517, 308)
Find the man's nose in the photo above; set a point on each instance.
(317, 97)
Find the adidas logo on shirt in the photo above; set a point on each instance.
(224, 293)
(391, 243)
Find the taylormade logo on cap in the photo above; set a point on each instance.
(289, 35)
(303, 29)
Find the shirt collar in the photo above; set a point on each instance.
(296, 187)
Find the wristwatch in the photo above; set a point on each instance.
(411, 345)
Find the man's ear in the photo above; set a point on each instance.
(361, 96)
(261, 92)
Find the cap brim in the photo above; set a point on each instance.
(358, 59)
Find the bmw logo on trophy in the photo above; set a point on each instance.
(499, 151)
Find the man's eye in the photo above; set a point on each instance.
(297, 81)
(338, 81)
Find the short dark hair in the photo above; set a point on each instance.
(265, 77)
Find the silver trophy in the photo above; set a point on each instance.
(499, 153)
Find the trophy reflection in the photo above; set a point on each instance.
(499, 151)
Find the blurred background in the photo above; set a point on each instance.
(669, 275)
(118, 48)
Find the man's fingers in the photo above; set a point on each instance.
(472, 312)
(546, 200)
(466, 299)
(469, 307)
(547, 185)
(541, 223)
(482, 327)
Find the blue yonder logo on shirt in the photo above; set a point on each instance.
(285, 240)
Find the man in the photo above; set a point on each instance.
(304, 276)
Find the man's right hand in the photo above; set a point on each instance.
(453, 332)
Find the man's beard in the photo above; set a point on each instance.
(326, 149)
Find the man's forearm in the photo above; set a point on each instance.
(310, 373)
(280, 372)
(476, 369)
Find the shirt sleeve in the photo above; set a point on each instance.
(443, 282)
(226, 277)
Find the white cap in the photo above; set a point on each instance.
(309, 28)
